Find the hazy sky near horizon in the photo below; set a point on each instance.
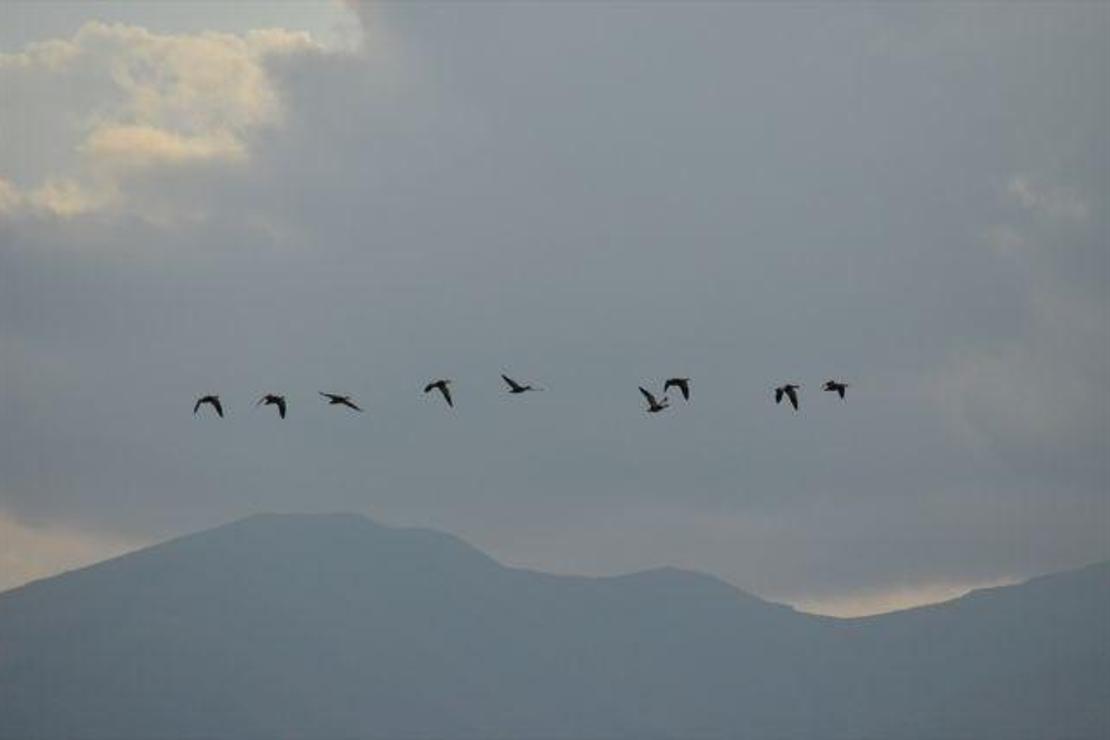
(295, 197)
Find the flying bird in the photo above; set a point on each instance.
(213, 401)
(790, 390)
(683, 384)
(337, 400)
(272, 399)
(515, 387)
(441, 385)
(654, 405)
(838, 387)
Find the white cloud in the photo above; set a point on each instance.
(53, 54)
(140, 146)
(127, 100)
(65, 197)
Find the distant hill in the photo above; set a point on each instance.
(334, 627)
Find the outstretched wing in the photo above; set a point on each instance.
(429, 386)
(649, 396)
(683, 384)
(330, 396)
(512, 383)
(778, 395)
(196, 406)
(281, 406)
(840, 389)
(216, 405)
(793, 396)
(446, 394)
(349, 404)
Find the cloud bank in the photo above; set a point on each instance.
(114, 100)
(910, 198)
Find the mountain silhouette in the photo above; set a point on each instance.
(334, 627)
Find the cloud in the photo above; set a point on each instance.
(10, 197)
(148, 101)
(1055, 202)
(141, 146)
(53, 54)
(297, 219)
(1035, 394)
(29, 552)
(66, 197)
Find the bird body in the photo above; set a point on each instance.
(212, 400)
(683, 385)
(836, 386)
(272, 399)
(790, 390)
(334, 399)
(515, 387)
(654, 404)
(442, 387)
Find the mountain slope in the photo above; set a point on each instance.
(335, 627)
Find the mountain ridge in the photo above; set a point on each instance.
(335, 626)
(1097, 568)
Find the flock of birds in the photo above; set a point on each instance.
(654, 404)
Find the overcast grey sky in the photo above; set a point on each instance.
(299, 197)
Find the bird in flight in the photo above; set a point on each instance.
(790, 390)
(838, 387)
(337, 400)
(683, 384)
(441, 385)
(515, 387)
(272, 399)
(654, 405)
(213, 401)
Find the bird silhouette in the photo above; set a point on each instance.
(790, 390)
(213, 401)
(683, 384)
(335, 399)
(441, 385)
(272, 399)
(654, 405)
(837, 386)
(515, 387)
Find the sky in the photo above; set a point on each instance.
(296, 197)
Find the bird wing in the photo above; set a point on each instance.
(446, 394)
(793, 396)
(429, 386)
(512, 383)
(216, 405)
(196, 406)
(840, 390)
(330, 396)
(349, 403)
(648, 395)
(778, 395)
(684, 386)
(281, 406)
